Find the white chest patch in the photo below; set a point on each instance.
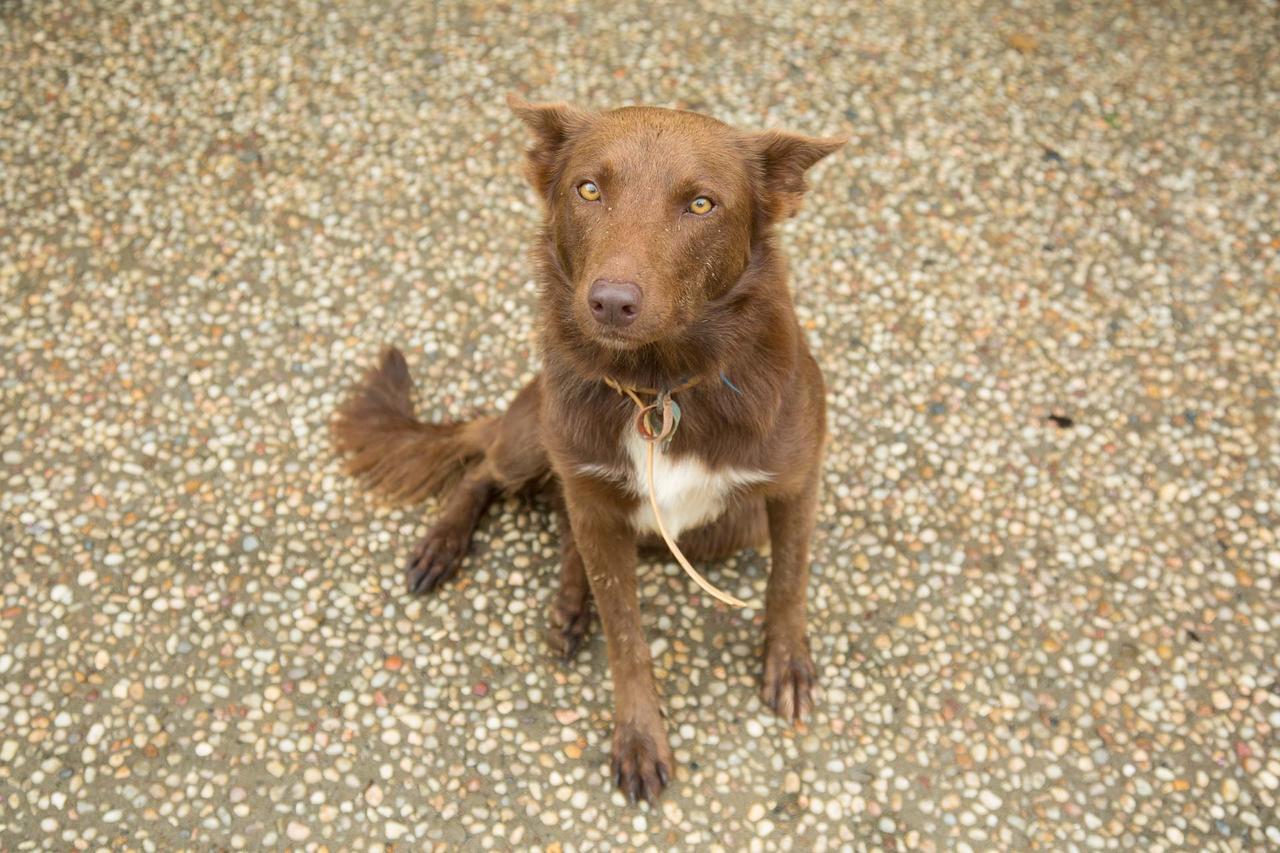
(689, 494)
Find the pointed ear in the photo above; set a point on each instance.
(784, 158)
(553, 126)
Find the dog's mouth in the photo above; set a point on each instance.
(619, 338)
(649, 332)
(615, 340)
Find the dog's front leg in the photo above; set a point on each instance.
(642, 761)
(789, 674)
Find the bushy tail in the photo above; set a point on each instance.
(396, 456)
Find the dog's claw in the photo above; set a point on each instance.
(789, 678)
(568, 629)
(435, 559)
(641, 763)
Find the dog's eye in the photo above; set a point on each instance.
(589, 191)
(701, 205)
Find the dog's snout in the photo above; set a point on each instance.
(614, 303)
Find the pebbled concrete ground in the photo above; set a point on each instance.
(1043, 282)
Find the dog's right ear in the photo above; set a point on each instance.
(553, 126)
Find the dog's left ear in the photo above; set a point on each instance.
(784, 158)
(553, 126)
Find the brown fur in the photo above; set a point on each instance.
(395, 455)
(715, 302)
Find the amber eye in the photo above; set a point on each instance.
(701, 205)
(589, 191)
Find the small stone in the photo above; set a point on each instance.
(297, 831)
(1022, 43)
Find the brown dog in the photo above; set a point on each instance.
(660, 278)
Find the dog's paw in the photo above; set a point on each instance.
(789, 679)
(436, 558)
(642, 763)
(567, 628)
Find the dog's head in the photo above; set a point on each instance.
(652, 214)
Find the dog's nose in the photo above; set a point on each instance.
(614, 303)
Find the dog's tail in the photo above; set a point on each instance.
(396, 456)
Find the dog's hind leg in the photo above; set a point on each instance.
(513, 459)
(438, 555)
(403, 459)
(571, 612)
